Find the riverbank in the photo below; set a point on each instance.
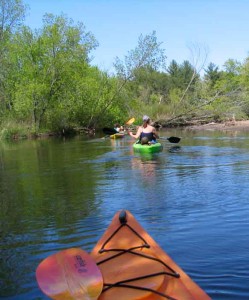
(227, 126)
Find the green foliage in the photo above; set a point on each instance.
(14, 130)
(12, 14)
(212, 75)
(48, 64)
(47, 81)
(181, 75)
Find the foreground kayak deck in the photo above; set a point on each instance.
(153, 148)
(133, 266)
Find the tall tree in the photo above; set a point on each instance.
(147, 53)
(12, 14)
(212, 74)
(48, 61)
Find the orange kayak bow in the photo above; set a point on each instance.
(134, 266)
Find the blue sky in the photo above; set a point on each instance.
(218, 28)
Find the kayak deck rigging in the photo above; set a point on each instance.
(132, 250)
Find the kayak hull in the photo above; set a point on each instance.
(134, 266)
(153, 148)
(117, 136)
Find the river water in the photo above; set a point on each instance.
(192, 198)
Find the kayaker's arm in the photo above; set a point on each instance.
(137, 135)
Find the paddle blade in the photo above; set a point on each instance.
(174, 139)
(109, 131)
(131, 121)
(69, 275)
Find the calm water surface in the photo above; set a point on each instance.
(192, 198)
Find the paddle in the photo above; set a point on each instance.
(70, 274)
(131, 121)
(172, 139)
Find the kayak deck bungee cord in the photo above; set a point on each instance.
(133, 266)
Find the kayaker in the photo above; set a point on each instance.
(118, 128)
(146, 133)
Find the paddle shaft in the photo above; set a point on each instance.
(109, 131)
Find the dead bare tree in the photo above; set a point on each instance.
(198, 60)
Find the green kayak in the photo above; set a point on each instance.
(153, 148)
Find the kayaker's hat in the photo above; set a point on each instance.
(146, 118)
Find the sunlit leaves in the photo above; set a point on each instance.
(148, 53)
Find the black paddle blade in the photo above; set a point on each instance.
(174, 139)
(109, 131)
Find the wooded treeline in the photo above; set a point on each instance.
(48, 84)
